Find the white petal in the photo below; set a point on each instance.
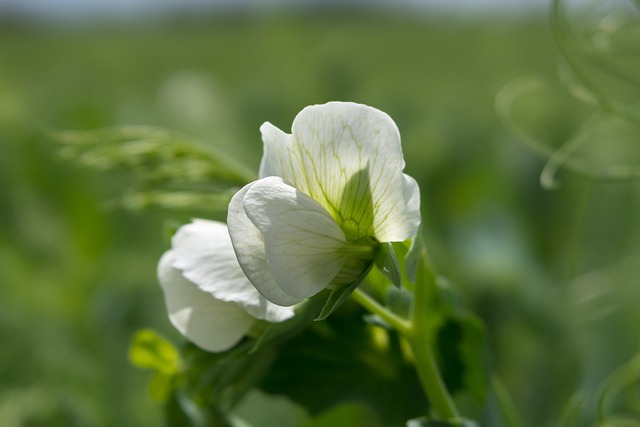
(209, 323)
(249, 249)
(204, 253)
(276, 160)
(304, 246)
(348, 157)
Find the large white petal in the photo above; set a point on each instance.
(348, 157)
(304, 246)
(209, 323)
(204, 253)
(249, 249)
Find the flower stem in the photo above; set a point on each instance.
(431, 379)
(418, 333)
(421, 341)
(395, 321)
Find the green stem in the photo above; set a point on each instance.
(418, 335)
(395, 321)
(421, 341)
(431, 380)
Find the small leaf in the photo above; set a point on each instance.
(387, 264)
(338, 296)
(149, 350)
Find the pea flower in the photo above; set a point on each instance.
(330, 194)
(208, 297)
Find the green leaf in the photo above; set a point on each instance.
(459, 334)
(460, 341)
(387, 264)
(149, 350)
(339, 296)
(343, 360)
(472, 356)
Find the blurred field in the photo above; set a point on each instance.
(78, 277)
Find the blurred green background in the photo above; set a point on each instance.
(552, 273)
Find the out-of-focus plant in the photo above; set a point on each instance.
(598, 68)
(167, 170)
(598, 94)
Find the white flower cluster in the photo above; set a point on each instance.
(328, 195)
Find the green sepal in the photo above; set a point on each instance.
(387, 263)
(338, 296)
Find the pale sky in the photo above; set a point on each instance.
(79, 9)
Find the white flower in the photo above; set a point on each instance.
(208, 297)
(328, 195)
